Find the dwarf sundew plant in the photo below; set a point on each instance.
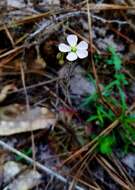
(73, 49)
(101, 115)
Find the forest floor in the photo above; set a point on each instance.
(67, 95)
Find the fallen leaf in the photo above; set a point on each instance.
(11, 169)
(3, 156)
(5, 90)
(35, 119)
(25, 181)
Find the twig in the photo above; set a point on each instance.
(108, 21)
(9, 36)
(28, 111)
(38, 165)
(91, 42)
(106, 6)
(35, 85)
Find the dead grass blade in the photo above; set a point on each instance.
(113, 173)
(106, 7)
(122, 170)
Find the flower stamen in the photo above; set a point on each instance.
(73, 49)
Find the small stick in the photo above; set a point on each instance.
(38, 165)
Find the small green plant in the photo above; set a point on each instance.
(114, 94)
(114, 59)
(106, 144)
(27, 152)
(127, 132)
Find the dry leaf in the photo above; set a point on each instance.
(5, 90)
(3, 156)
(26, 180)
(35, 119)
(11, 169)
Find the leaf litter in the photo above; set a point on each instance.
(69, 124)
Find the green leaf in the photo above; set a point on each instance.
(27, 152)
(109, 87)
(129, 131)
(123, 99)
(91, 98)
(120, 77)
(92, 118)
(100, 114)
(97, 57)
(106, 144)
(114, 58)
(130, 119)
(117, 62)
(111, 49)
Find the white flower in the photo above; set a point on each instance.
(74, 51)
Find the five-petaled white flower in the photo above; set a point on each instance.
(74, 51)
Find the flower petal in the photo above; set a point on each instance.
(64, 48)
(82, 53)
(71, 56)
(82, 45)
(72, 39)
